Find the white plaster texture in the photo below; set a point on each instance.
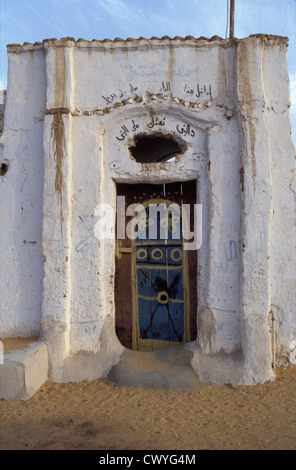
(21, 196)
(23, 372)
(68, 147)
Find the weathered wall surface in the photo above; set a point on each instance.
(228, 104)
(283, 217)
(268, 272)
(21, 196)
(2, 107)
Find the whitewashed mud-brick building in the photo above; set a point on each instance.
(186, 121)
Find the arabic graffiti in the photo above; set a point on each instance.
(124, 130)
(165, 86)
(130, 127)
(185, 130)
(199, 90)
(120, 94)
(156, 122)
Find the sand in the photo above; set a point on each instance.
(101, 415)
(13, 344)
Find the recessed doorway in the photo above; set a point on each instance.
(155, 278)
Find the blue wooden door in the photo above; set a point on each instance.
(155, 279)
(160, 275)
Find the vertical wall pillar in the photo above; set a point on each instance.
(57, 208)
(256, 198)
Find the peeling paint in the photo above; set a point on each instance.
(206, 328)
(59, 145)
(60, 77)
(241, 178)
(248, 103)
(171, 64)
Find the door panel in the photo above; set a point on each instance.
(155, 280)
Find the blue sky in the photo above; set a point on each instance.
(34, 20)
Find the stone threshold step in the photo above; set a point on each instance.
(23, 371)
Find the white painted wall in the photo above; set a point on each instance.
(21, 196)
(64, 140)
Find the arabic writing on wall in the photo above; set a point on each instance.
(183, 129)
(199, 90)
(120, 94)
(196, 91)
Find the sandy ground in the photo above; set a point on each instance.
(101, 415)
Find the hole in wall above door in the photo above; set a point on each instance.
(156, 148)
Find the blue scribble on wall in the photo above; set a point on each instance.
(85, 247)
(253, 255)
(90, 330)
(260, 249)
(12, 238)
(230, 254)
